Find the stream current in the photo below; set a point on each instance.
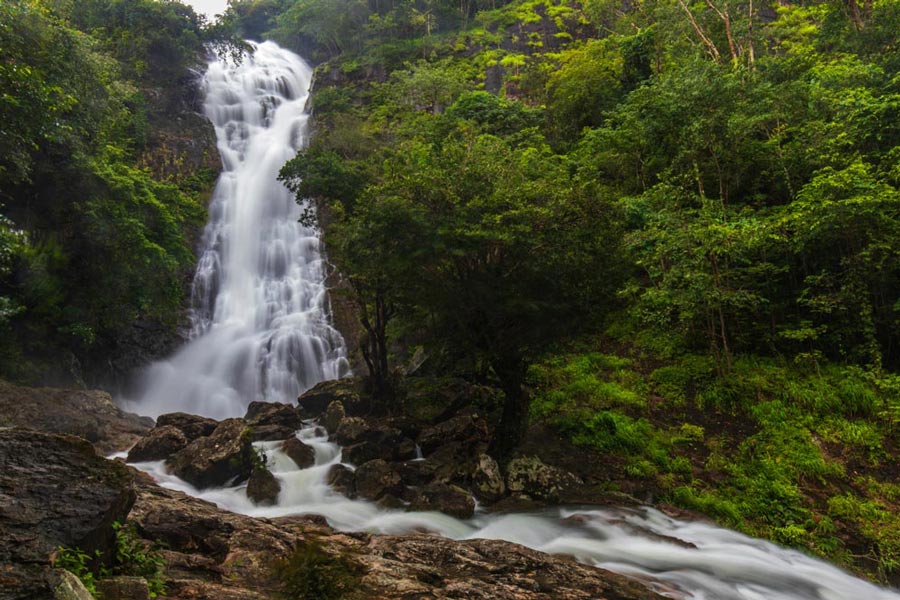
(260, 329)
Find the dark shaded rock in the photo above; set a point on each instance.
(470, 429)
(260, 414)
(448, 499)
(223, 457)
(302, 454)
(529, 476)
(89, 414)
(487, 479)
(378, 478)
(54, 491)
(262, 487)
(159, 444)
(368, 439)
(123, 588)
(453, 462)
(391, 502)
(346, 391)
(333, 416)
(342, 480)
(270, 433)
(192, 426)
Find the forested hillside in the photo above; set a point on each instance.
(105, 171)
(667, 230)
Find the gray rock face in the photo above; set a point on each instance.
(448, 499)
(470, 429)
(54, 491)
(192, 426)
(342, 480)
(262, 487)
(487, 479)
(347, 391)
(67, 586)
(367, 439)
(123, 588)
(161, 443)
(263, 414)
(378, 478)
(333, 416)
(89, 414)
(223, 457)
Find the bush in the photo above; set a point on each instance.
(311, 573)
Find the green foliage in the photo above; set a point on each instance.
(310, 572)
(135, 558)
(77, 562)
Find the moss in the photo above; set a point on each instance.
(312, 573)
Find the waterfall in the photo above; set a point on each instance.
(260, 318)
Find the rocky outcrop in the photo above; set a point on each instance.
(333, 416)
(342, 480)
(159, 444)
(262, 487)
(192, 426)
(88, 414)
(346, 391)
(377, 479)
(530, 477)
(469, 429)
(487, 480)
(448, 499)
(261, 414)
(213, 555)
(367, 439)
(123, 588)
(54, 491)
(223, 457)
(302, 454)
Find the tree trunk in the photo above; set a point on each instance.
(516, 403)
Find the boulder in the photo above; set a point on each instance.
(123, 588)
(221, 458)
(66, 586)
(302, 454)
(470, 429)
(159, 444)
(261, 414)
(192, 426)
(269, 433)
(88, 414)
(378, 478)
(448, 499)
(487, 479)
(54, 491)
(333, 416)
(347, 391)
(262, 487)
(342, 480)
(368, 439)
(530, 477)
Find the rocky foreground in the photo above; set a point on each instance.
(56, 491)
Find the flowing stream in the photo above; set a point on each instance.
(260, 330)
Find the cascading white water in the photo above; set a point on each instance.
(259, 321)
(260, 331)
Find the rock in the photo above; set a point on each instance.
(368, 439)
(448, 499)
(269, 433)
(221, 458)
(192, 426)
(487, 480)
(333, 416)
(302, 454)
(260, 414)
(54, 491)
(89, 414)
(342, 480)
(159, 444)
(470, 429)
(453, 462)
(67, 586)
(215, 554)
(346, 391)
(123, 588)
(531, 477)
(262, 487)
(378, 478)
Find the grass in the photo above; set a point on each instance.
(799, 456)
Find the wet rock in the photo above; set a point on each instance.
(367, 439)
(333, 416)
(221, 458)
(54, 491)
(346, 391)
(470, 429)
(487, 479)
(159, 444)
(378, 478)
(531, 477)
(302, 454)
(342, 480)
(262, 414)
(448, 499)
(88, 414)
(123, 588)
(192, 426)
(262, 487)
(270, 433)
